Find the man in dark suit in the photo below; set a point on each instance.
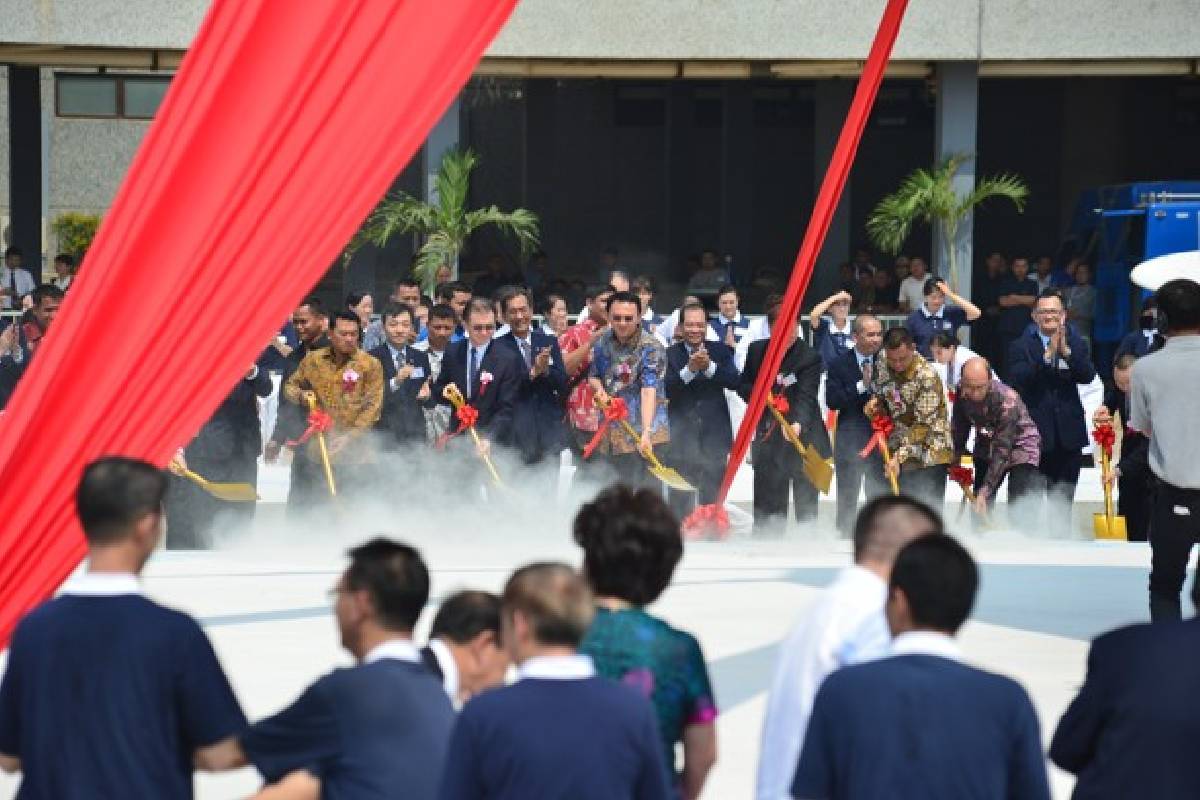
(1133, 728)
(1135, 482)
(488, 375)
(847, 390)
(225, 450)
(1046, 365)
(777, 465)
(698, 373)
(542, 392)
(464, 650)
(920, 723)
(406, 381)
(1138, 343)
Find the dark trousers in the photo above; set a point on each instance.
(1175, 528)
(194, 515)
(1026, 493)
(927, 484)
(1135, 502)
(853, 473)
(1060, 471)
(702, 470)
(630, 469)
(776, 470)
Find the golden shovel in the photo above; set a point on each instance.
(455, 396)
(816, 469)
(229, 492)
(1108, 525)
(311, 399)
(667, 475)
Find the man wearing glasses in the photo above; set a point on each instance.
(1045, 365)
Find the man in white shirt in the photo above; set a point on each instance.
(912, 288)
(950, 354)
(618, 281)
(464, 649)
(845, 625)
(15, 282)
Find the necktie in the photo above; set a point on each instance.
(866, 371)
(526, 353)
(473, 374)
(12, 284)
(400, 360)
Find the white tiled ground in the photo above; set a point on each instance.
(263, 603)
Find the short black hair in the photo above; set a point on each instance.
(394, 309)
(114, 493)
(624, 297)
(346, 316)
(897, 337)
(444, 292)
(479, 305)
(354, 298)
(642, 283)
(314, 304)
(408, 280)
(46, 291)
(464, 615)
(548, 303)
(939, 579)
(395, 577)
(442, 311)
(932, 285)
(692, 306)
(1050, 292)
(65, 258)
(14, 251)
(515, 291)
(1179, 302)
(728, 288)
(877, 534)
(943, 340)
(631, 543)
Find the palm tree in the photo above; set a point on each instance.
(444, 223)
(929, 196)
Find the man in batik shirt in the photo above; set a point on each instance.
(1007, 442)
(347, 384)
(907, 389)
(583, 418)
(628, 363)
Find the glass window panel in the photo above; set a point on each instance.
(144, 95)
(87, 96)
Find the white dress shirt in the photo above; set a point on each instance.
(844, 626)
(103, 584)
(557, 668)
(398, 649)
(24, 285)
(449, 667)
(926, 643)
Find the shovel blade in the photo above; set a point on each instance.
(231, 492)
(817, 470)
(672, 478)
(1110, 528)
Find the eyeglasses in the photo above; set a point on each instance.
(623, 318)
(482, 328)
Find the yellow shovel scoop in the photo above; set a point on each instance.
(229, 492)
(667, 475)
(1107, 525)
(816, 469)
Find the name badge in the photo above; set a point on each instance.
(787, 380)
(418, 372)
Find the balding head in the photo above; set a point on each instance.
(885, 525)
(975, 380)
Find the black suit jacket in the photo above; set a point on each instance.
(697, 411)
(402, 416)
(842, 394)
(805, 364)
(1135, 446)
(538, 407)
(431, 663)
(1133, 728)
(496, 402)
(290, 417)
(1051, 394)
(233, 430)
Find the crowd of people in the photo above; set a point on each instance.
(565, 686)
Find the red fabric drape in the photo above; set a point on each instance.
(285, 124)
(818, 226)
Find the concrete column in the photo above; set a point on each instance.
(831, 104)
(25, 164)
(956, 132)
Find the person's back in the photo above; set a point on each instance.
(574, 739)
(1132, 731)
(107, 694)
(364, 731)
(921, 726)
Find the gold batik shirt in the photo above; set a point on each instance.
(917, 405)
(351, 393)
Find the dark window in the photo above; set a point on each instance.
(640, 106)
(143, 96)
(110, 96)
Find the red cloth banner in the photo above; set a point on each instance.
(818, 226)
(284, 125)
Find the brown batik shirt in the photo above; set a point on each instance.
(917, 405)
(351, 393)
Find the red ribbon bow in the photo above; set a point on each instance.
(1106, 437)
(615, 411)
(953, 395)
(781, 404)
(706, 521)
(318, 422)
(963, 476)
(467, 415)
(882, 426)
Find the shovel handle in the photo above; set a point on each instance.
(1105, 474)
(312, 406)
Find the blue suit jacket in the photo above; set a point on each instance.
(921, 727)
(697, 411)
(1051, 393)
(538, 410)
(1132, 731)
(495, 403)
(842, 395)
(401, 415)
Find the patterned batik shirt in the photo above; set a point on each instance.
(581, 405)
(916, 403)
(623, 371)
(350, 392)
(664, 664)
(1005, 434)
